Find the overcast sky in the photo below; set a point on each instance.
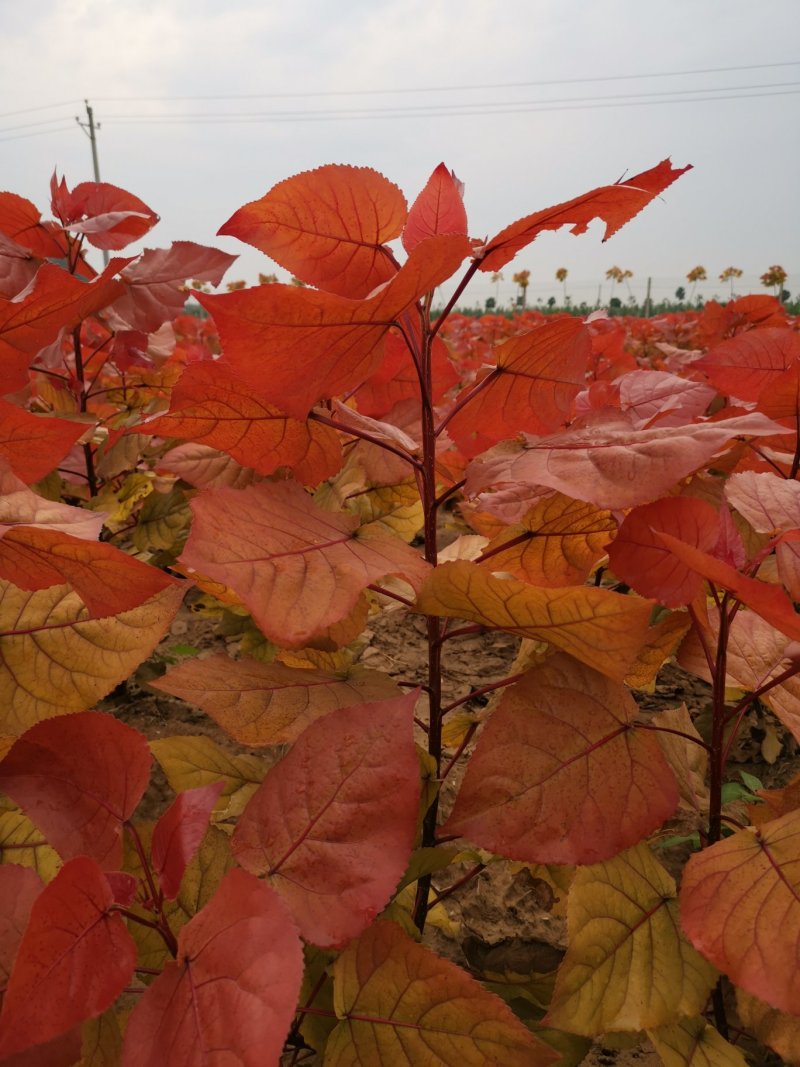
(205, 105)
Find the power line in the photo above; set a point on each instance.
(38, 133)
(453, 108)
(451, 88)
(445, 111)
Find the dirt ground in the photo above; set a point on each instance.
(507, 921)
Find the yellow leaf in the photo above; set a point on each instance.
(163, 522)
(601, 629)
(660, 643)
(54, 659)
(776, 1029)
(628, 966)
(194, 760)
(693, 1043)
(121, 503)
(396, 507)
(401, 1004)
(101, 1041)
(688, 761)
(204, 874)
(22, 843)
(557, 543)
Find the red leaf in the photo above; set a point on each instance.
(19, 888)
(75, 958)
(154, 282)
(211, 406)
(34, 444)
(22, 222)
(298, 568)
(231, 994)
(56, 301)
(560, 775)
(745, 365)
(108, 580)
(109, 217)
(321, 345)
(179, 833)
(333, 823)
(396, 378)
(538, 374)
(78, 778)
(638, 557)
(614, 204)
(768, 601)
(439, 208)
(612, 464)
(328, 227)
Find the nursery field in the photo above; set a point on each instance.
(382, 687)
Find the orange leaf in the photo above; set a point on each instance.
(321, 345)
(560, 775)
(231, 992)
(558, 542)
(328, 227)
(601, 629)
(107, 580)
(614, 204)
(179, 833)
(538, 374)
(639, 558)
(778, 1031)
(75, 958)
(261, 704)
(740, 907)
(439, 208)
(401, 1004)
(613, 464)
(333, 823)
(211, 406)
(296, 567)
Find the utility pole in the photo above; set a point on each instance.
(648, 305)
(89, 129)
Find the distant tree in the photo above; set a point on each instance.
(561, 276)
(729, 274)
(267, 279)
(551, 301)
(496, 278)
(695, 275)
(774, 278)
(491, 303)
(523, 280)
(680, 294)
